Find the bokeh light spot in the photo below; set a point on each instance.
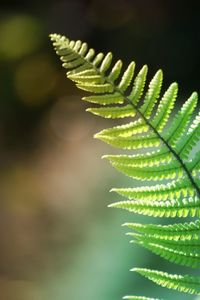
(35, 80)
(19, 35)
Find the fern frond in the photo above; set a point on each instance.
(186, 284)
(167, 153)
(99, 82)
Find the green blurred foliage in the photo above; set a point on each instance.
(58, 239)
(20, 35)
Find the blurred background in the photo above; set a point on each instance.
(58, 239)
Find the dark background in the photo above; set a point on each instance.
(58, 240)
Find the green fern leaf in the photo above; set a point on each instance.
(114, 98)
(167, 153)
(181, 121)
(184, 148)
(177, 231)
(114, 112)
(147, 141)
(152, 94)
(165, 107)
(170, 191)
(186, 284)
(98, 59)
(125, 130)
(127, 77)
(96, 88)
(171, 208)
(138, 86)
(152, 158)
(106, 63)
(115, 72)
(180, 252)
(154, 173)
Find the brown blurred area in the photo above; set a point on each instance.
(56, 234)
